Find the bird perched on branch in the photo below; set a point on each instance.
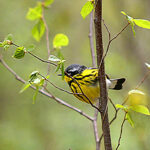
(83, 82)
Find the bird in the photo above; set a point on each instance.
(84, 82)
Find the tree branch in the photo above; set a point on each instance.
(47, 43)
(37, 57)
(45, 93)
(121, 130)
(61, 89)
(96, 129)
(101, 73)
(91, 40)
(110, 40)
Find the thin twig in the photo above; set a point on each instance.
(46, 93)
(121, 131)
(110, 40)
(116, 112)
(61, 89)
(37, 57)
(95, 128)
(91, 40)
(42, 60)
(95, 125)
(47, 43)
(83, 92)
(142, 80)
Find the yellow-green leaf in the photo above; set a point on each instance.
(142, 23)
(87, 8)
(38, 30)
(1, 44)
(33, 76)
(60, 40)
(19, 53)
(120, 106)
(9, 37)
(48, 2)
(136, 97)
(125, 108)
(26, 86)
(35, 94)
(140, 109)
(129, 119)
(34, 13)
(130, 20)
(123, 13)
(62, 70)
(58, 67)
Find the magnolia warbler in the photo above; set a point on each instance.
(82, 79)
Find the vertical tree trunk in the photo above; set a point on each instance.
(103, 89)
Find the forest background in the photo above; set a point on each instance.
(46, 124)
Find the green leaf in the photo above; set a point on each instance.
(130, 20)
(47, 76)
(30, 48)
(140, 109)
(119, 106)
(9, 37)
(62, 70)
(38, 30)
(41, 82)
(1, 44)
(54, 58)
(136, 97)
(34, 13)
(142, 23)
(19, 53)
(137, 92)
(58, 67)
(129, 119)
(123, 13)
(35, 94)
(87, 8)
(148, 65)
(33, 76)
(48, 2)
(26, 86)
(60, 40)
(6, 47)
(122, 107)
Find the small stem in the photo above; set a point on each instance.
(110, 40)
(91, 40)
(143, 79)
(42, 60)
(96, 128)
(48, 45)
(82, 92)
(59, 87)
(121, 131)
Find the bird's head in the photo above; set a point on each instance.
(73, 70)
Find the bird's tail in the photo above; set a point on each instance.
(116, 84)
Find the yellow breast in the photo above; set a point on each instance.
(86, 83)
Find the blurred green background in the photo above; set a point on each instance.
(47, 125)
